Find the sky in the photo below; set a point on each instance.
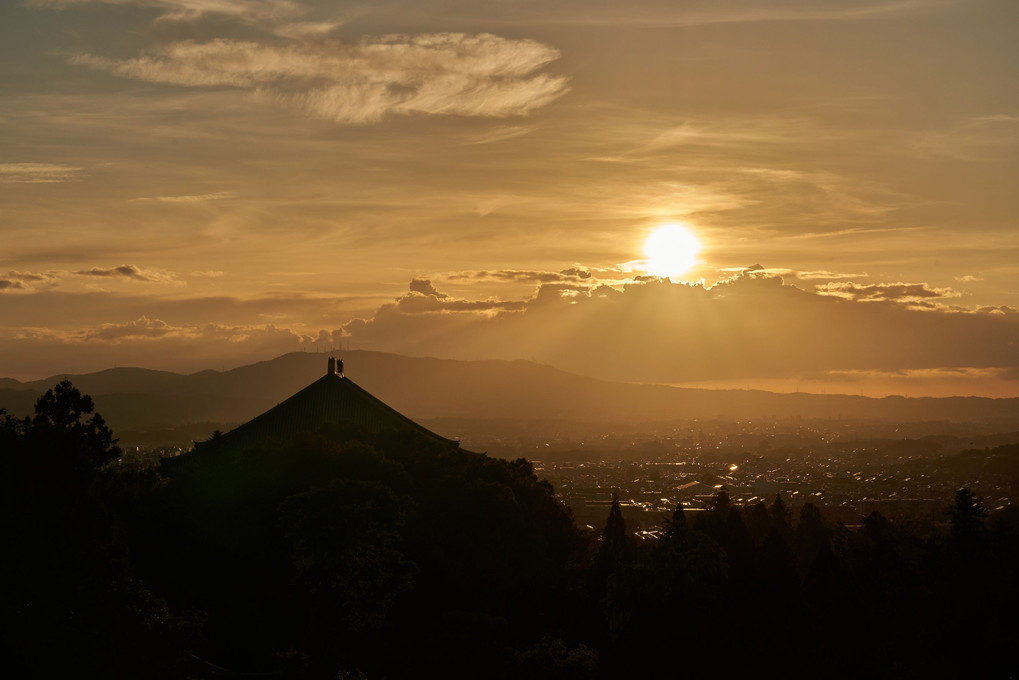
(193, 184)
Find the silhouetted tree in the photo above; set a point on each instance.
(811, 532)
(781, 516)
(676, 527)
(967, 514)
(616, 547)
(66, 416)
(68, 596)
(834, 613)
(723, 522)
(758, 522)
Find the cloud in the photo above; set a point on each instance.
(246, 11)
(584, 12)
(753, 325)
(128, 271)
(418, 303)
(38, 173)
(197, 198)
(934, 373)
(500, 134)
(813, 275)
(152, 343)
(523, 275)
(142, 327)
(304, 30)
(825, 274)
(1000, 309)
(425, 287)
(444, 73)
(74, 309)
(18, 280)
(885, 292)
(651, 12)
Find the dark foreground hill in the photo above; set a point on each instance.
(356, 551)
(140, 403)
(336, 552)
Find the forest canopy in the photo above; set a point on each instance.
(315, 557)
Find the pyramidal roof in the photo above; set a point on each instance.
(332, 399)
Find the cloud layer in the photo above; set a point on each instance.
(754, 326)
(751, 326)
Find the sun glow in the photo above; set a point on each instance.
(671, 250)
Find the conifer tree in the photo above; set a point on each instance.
(616, 547)
(967, 513)
(781, 517)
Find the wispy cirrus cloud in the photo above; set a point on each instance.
(444, 73)
(187, 10)
(651, 12)
(194, 198)
(38, 173)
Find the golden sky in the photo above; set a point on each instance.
(190, 184)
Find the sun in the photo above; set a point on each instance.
(671, 250)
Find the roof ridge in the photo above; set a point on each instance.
(331, 399)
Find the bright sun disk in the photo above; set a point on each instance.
(671, 250)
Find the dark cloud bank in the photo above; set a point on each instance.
(753, 326)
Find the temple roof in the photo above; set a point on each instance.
(332, 399)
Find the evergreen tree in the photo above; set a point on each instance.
(66, 431)
(676, 527)
(616, 547)
(758, 522)
(68, 595)
(967, 514)
(781, 517)
(811, 534)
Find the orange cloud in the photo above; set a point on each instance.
(443, 73)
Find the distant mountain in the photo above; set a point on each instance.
(141, 400)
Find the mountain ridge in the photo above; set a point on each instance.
(427, 388)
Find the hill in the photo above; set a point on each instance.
(140, 403)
